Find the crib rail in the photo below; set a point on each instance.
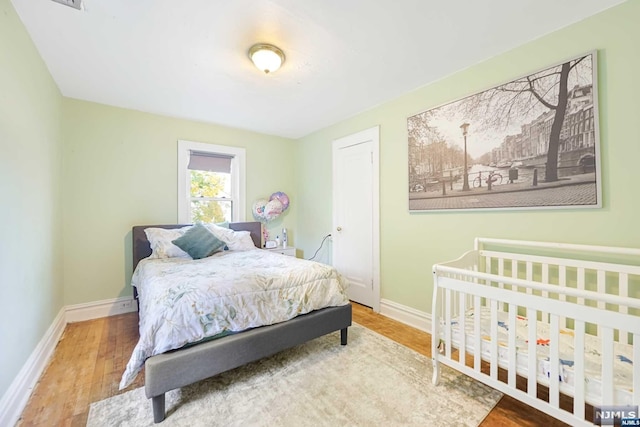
(527, 285)
(483, 241)
(590, 300)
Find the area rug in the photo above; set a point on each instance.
(369, 382)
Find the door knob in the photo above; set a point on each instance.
(339, 228)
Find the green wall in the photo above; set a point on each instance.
(31, 214)
(411, 243)
(120, 170)
(75, 176)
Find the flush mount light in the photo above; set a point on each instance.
(268, 58)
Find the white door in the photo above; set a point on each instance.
(355, 233)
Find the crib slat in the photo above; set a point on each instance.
(487, 265)
(623, 291)
(529, 270)
(545, 277)
(461, 327)
(532, 358)
(623, 283)
(447, 323)
(554, 359)
(578, 369)
(493, 369)
(562, 282)
(607, 365)
(513, 361)
(477, 345)
(545, 294)
(501, 271)
(515, 274)
(515, 269)
(601, 286)
(580, 273)
(636, 368)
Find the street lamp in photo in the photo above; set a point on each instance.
(465, 183)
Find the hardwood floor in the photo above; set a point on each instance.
(90, 358)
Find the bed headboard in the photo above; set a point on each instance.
(141, 248)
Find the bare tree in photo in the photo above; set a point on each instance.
(530, 142)
(549, 89)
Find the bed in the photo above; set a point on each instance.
(556, 326)
(219, 352)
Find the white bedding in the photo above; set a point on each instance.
(184, 301)
(623, 362)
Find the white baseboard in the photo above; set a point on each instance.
(17, 395)
(97, 309)
(15, 398)
(407, 315)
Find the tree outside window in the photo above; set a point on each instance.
(210, 196)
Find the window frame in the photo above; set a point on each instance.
(238, 177)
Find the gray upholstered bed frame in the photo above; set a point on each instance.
(179, 368)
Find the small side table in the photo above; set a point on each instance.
(288, 251)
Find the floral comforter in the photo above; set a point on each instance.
(184, 301)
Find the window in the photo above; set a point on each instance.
(211, 183)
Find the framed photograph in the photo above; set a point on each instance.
(531, 143)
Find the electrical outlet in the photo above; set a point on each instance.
(126, 304)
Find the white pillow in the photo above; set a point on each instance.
(235, 240)
(240, 241)
(222, 233)
(160, 242)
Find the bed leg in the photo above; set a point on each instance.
(158, 408)
(436, 371)
(343, 336)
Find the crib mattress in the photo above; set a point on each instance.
(623, 363)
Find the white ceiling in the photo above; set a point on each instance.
(188, 58)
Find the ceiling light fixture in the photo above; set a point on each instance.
(266, 57)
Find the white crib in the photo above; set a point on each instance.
(575, 307)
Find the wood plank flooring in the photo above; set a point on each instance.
(90, 358)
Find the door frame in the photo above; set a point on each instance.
(368, 135)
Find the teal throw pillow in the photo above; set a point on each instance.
(199, 242)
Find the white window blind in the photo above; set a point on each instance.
(212, 162)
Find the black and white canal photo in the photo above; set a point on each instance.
(531, 143)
